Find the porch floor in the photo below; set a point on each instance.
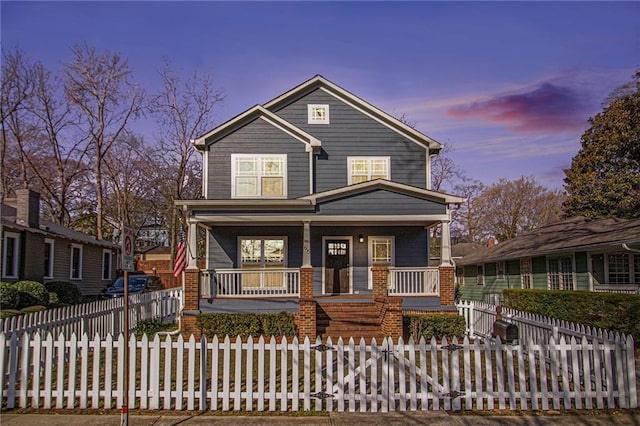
(246, 305)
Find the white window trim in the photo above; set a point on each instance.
(71, 247)
(311, 120)
(501, 276)
(263, 237)
(368, 158)
(573, 272)
(110, 253)
(527, 274)
(370, 254)
(51, 256)
(631, 271)
(324, 243)
(480, 275)
(16, 254)
(259, 157)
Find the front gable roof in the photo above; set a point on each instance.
(573, 234)
(257, 112)
(267, 112)
(381, 184)
(319, 82)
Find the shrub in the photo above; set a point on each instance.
(6, 313)
(244, 325)
(8, 296)
(31, 293)
(152, 326)
(33, 308)
(611, 311)
(66, 292)
(438, 325)
(280, 324)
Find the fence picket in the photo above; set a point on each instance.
(284, 352)
(340, 368)
(576, 349)
(249, 372)
(237, 388)
(273, 374)
(295, 374)
(402, 389)
(261, 396)
(329, 378)
(108, 370)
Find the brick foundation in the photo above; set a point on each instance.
(380, 282)
(306, 317)
(188, 327)
(447, 286)
(191, 291)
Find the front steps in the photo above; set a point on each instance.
(349, 319)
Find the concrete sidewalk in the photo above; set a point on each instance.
(438, 418)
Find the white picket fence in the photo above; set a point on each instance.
(480, 317)
(101, 317)
(284, 375)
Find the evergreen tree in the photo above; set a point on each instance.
(604, 178)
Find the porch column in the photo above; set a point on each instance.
(306, 245)
(445, 250)
(192, 257)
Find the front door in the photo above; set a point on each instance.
(336, 266)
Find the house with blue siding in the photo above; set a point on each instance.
(304, 198)
(576, 254)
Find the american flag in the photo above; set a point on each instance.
(181, 255)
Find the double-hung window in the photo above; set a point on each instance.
(10, 255)
(75, 266)
(258, 176)
(362, 169)
(525, 272)
(560, 273)
(107, 264)
(618, 268)
(500, 269)
(48, 258)
(381, 252)
(480, 275)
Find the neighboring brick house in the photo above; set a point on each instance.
(318, 203)
(38, 250)
(574, 254)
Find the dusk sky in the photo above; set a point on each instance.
(508, 85)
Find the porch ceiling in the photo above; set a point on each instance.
(318, 220)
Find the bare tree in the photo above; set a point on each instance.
(60, 166)
(511, 207)
(17, 88)
(466, 218)
(131, 182)
(444, 170)
(183, 110)
(101, 88)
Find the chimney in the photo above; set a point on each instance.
(491, 241)
(28, 208)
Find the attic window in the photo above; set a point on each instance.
(318, 114)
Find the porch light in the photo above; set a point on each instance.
(361, 238)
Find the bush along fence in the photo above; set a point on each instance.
(46, 371)
(481, 316)
(102, 317)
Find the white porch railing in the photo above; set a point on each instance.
(250, 283)
(414, 281)
(617, 288)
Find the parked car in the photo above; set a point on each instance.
(139, 282)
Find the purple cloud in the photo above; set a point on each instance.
(548, 107)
